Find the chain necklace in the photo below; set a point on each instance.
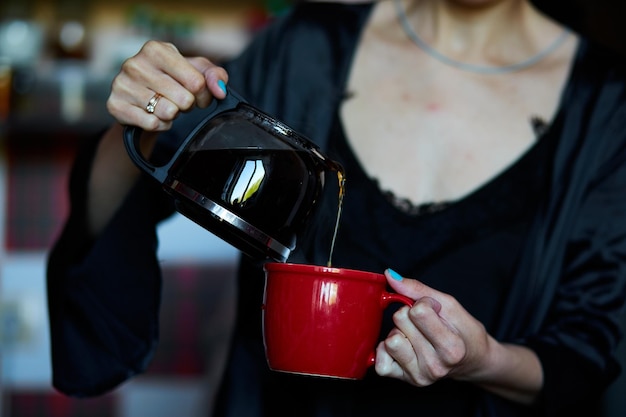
(470, 67)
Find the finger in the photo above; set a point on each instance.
(426, 314)
(430, 365)
(127, 92)
(180, 92)
(215, 77)
(402, 350)
(146, 121)
(161, 68)
(386, 365)
(127, 113)
(439, 344)
(200, 80)
(404, 360)
(410, 287)
(161, 107)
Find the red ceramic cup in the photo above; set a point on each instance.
(323, 321)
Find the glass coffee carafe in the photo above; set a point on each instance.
(244, 176)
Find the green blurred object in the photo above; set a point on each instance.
(277, 7)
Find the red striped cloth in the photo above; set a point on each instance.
(33, 403)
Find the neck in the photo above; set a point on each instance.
(495, 32)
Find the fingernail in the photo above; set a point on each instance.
(222, 85)
(393, 274)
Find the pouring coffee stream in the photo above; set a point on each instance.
(244, 176)
(341, 177)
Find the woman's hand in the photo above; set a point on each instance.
(159, 71)
(160, 75)
(437, 338)
(433, 339)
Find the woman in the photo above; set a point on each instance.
(483, 145)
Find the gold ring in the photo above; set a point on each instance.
(152, 103)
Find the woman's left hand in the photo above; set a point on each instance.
(433, 339)
(437, 338)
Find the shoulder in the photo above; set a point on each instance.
(295, 67)
(599, 84)
(314, 21)
(600, 63)
(327, 12)
(306, 33)
(593, 115)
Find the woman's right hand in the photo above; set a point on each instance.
(180, 82)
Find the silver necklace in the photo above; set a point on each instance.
(470, 67)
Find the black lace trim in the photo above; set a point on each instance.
(406, 206)
(539, 125)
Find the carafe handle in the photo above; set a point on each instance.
(132, 137)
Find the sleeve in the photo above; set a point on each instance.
(577, 345)
(103, 295)
(104, 292)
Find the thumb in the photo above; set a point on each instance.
(215, 78)
(412, 288)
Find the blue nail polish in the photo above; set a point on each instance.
(394, 274)
(222, 86)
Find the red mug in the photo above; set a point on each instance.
(323, 321)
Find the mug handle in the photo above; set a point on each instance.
(132, 137)
(385, 300)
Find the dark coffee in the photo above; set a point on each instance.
(266, 187)
(244, 176)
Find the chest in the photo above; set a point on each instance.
(433, 133)
(451, 249)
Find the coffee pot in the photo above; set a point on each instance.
(243, 176)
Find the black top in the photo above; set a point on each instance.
(450, 248)
(469, 248)
(566, 276)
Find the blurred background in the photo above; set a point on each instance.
(57, 60)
